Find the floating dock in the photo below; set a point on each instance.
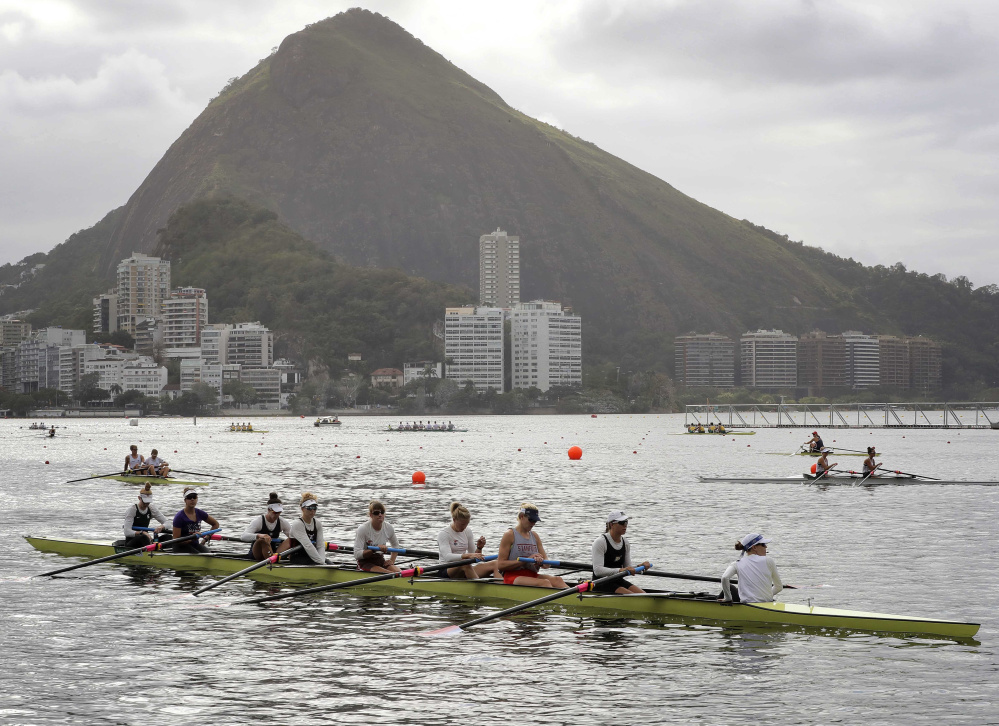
(847, 415)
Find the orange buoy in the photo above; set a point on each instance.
(575, 453)
(419, 477)
(814, 467)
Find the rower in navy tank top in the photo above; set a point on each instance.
(611, 554)
(522, 541)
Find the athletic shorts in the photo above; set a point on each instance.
(510, 575)
(377, 559)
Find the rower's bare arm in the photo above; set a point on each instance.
(212, 521)
(176, 532)
(503, 561)
(541, 551)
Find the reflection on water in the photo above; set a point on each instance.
(115, 643)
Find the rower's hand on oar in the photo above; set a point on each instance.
(265, 537)
(539, 559)
(473, 556)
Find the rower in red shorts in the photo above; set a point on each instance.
(521, 541)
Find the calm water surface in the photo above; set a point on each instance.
(115, 644)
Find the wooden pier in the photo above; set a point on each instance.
(847, 415)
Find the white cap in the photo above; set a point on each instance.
(617, 516)
(308, 503)
(751, 540)
(276, 507)
(145, 497)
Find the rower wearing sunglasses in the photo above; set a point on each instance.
(188, 521)
(759, 580)
(307, 531)
(611, 554)
(376, 531)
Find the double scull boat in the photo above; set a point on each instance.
(852, 478)
(697, 607)
(143, 478)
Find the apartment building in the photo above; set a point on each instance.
(704, 360)
(546, 346)
(499, 269)
(185, 315)
(473, 346)
(769, 359)
(143, 285)
(822, 360)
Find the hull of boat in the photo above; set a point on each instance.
(834, 454)
(427, 431)
(135, 479)
(715, 433)
(851, 480)
(237, 431)
(656, 606)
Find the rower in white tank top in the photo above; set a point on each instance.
(134, 461)
(759, 580)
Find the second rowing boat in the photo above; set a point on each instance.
(143, 478)
(853, 478)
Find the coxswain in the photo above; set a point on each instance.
(822, 466)
(870, 466)
(455, 542)
(307, 531)
(134, 462)
(815, 443)
(262, 531)
(155, 466)
(611, 554)
(521, 541)
(188, 521)
(139, 515)
(759, 580)
(376, 531)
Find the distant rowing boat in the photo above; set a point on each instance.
(426, 431)
(831, 453)
(142, 479)
(327, 421)
(714, 433)
(840, 479)
(652, 605)
(245, 431)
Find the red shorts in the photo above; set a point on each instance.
(510, 575)
(377, 560)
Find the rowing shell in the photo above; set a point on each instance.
(856, 479)
(245, 431)
(713, 433)
(141, 479)
(425, 431)
(653, 605)
(831, 453)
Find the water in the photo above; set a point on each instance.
(115, 644)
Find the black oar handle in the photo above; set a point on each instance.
(255, 566)
(145, 548)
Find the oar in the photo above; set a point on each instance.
(97, 476)
(838, 448)
(580, 588)
(333, 547)
(198, 473)
(255, 566)
(868, 475)
(146, 548)
(413, 572)
(919, 476)
(565, 565)
(216, 537)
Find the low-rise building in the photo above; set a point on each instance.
(143, 375)
(391, 377)
(266, 382)
(421, 369)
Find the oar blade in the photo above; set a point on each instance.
(443, 632)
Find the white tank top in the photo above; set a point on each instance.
(756, 582)
(524, 547)
(134, 462)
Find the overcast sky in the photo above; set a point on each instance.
(866, 128)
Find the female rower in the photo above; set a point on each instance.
(455, 543)
(521, 541)
(134, 461)
(611, 553)
(870, 466)
(307, 531)
(266, 528)
(376, 531)
(188, 521)
(815, 443)
(822, 465)
(758, 577)
(139, 515)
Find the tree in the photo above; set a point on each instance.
(240, 392)
(346, 390)
(88, 384)
(115, 389)
(446, 391)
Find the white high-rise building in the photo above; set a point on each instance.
(705, 360)
(473, 346)
(863, 360)
(215, 342)
(769, 359)
(72, 363)
(250, 345)
(185, 315)
(37, 358)
(546, 346)
(143, 375)
(499, 269)
(143, 285)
